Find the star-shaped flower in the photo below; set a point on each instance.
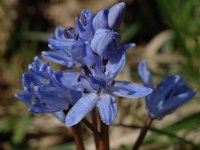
(99, 88)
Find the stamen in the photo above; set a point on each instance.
(93, 65)
(85, 91)
(103, 69)
(113, 83)
(99, 90)
(76, 36)
(79, 78)
(68, 32)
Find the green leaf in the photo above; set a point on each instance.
(22, 128)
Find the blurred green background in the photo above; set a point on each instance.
(167, 34)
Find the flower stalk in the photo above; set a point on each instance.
(77, 137)
(143, 133)
(95, 125)
(104, 137)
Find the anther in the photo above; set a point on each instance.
(68, 32)
(99, 90)
(113, 83)
(92, 65)
(103, 69)
(76, 36)
(85, 91)
(79, 78)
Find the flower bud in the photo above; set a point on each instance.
(101, 20)
(59, 33)
(84, 25)
(105, 42)
(115, 16)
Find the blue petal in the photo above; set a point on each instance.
(53, 96)
(77, 54)
(67, 55)
(116, 63)
(145, 74)
(92, 61)
(60, 43)
(42, 108)
(107, 108)
(60, 57)
(79, 28)
(59, 33)
(60, 115)
(25, 97)
(38, 65)
(75, 96)
(85, 18)
(101, 20)
(81, 108)
(146, 78)
(168, 106)
(96, 82)
(115, 16)
(130, 90)
(105, 42)
(84, 25)
(179, 89)
(29, 81)
(164, 89)
(73, 80)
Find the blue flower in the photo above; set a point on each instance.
(84, 26)
(97, 30)
(109, 18)
(42, 92)
(67, 45)
(100, 20)
(99, 88)
(94, 46)
(105, 43)
(171, 93)
(115, 15)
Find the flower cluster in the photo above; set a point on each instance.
(94, 47)
(171, 93)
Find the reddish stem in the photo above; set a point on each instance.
(90, 126)
(77, 137)
(143, 133)
(95, 122)
(104, 137)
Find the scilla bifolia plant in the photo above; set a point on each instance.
(94, 47)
